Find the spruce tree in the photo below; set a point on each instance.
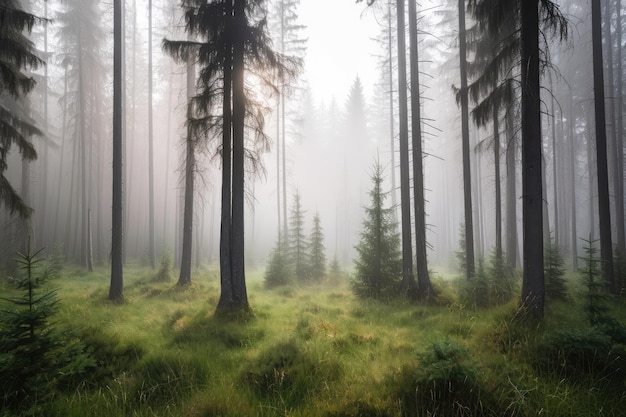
(554, 272)
(298, 243)
(35, 356)
(317, 250)
(379, 266)
(17, 55)
(278, 271)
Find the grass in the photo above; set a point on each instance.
(312, 351)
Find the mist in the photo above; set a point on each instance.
(321, 142)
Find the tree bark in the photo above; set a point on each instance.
(408, 282)
(619, 142)
(533, 275)
(496, 160)
(151, 224)
(511, 191)
(240, 296)
(604, 212)
(572, 189)
(117, 281)
(190, 168)
(467, 176)
(423, 278)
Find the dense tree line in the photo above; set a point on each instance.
(235, 72)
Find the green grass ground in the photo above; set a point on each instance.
(315, 351)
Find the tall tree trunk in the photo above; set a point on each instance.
(619, 142)
(496, 160)
(604, 212)
(44, 226)
(190, 168)
(511, 191)
(467, 176)
(25, 238)
(240, 296)
(226, 296)
(533, 276)
(89, 242)
(408, 282)
(278, 183)
(117, 281)
(554, 167)
(151, 248)
(572, 189)
(423, 278)
(392, 133)
(592, 185)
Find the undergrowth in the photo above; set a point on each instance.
(320, 351)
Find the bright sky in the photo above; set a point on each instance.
(339, 47)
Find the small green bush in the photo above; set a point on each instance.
(164, 274)
(576, 353)
(444, 382)
(288, 372)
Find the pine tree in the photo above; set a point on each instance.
(16, 56)
(34, 355)
(298, 243)
(554, 272)
(379, 266)
(279, 268)
(317, 250)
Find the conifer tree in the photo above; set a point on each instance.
(34, 355)
(554, 272)
(298, 243)
(379, 266)
(317, 250)
(16, 56)
(278, 271)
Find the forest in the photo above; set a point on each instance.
(312, 208)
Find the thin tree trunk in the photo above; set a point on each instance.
(467, 178)
(278, 147)
(392, 133)
(572, 190)
(190, 167)
(554, 167)
(496, 160)
(89, 242)
(61, 165)
(117, 281)
(408, 282)
(44, 227)
(592, 185)
(423, 278)
(151, 224)
(619, 142)
(604, 212)
(533, 275)
(511, 192)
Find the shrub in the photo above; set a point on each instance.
(444, 382)
(164, 274)
(576, 353)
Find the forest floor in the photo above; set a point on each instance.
(320, 351)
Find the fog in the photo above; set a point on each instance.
(333, 134)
